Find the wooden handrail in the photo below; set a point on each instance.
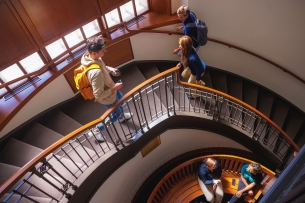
(226, 44)
(296, 147)
(27, 167)
(21, 172)
(199, 159)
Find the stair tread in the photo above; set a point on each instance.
(18, 153)
(279, 113)
(265, 102)
(41, 136)
(7, 171)
(84, 111)
(250, 95)
(219, 80)
(61, 123)
(294, 124)
(235, 87)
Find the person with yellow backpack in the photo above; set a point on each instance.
(100, 84)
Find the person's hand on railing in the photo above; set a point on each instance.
(179, 28)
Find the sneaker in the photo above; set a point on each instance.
(99, 138)
(125, 117)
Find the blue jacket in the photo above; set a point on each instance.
(196, 65)
(191, 31)
(207, 176)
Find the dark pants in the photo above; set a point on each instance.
(234, 199)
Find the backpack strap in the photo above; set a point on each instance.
(92, 66)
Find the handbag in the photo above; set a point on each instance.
(186, 73)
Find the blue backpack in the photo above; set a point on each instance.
(202, 31)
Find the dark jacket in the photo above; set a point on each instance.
(191, 31)
(207, 176)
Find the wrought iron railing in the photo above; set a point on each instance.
(52, 174)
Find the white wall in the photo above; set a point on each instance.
(125, 182)
(57, 91)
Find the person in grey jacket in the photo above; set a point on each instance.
(105, 91)
(209, 174)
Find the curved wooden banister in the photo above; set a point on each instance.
(296, 147)
(226, 44)
(26, 168)
(199, 159)
(20, 173)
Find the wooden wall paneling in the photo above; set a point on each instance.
(53, 18)
(15, 40)
(160, 6)
(109, 5)
(111, 58)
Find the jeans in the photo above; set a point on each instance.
(234, 199)
(118, 111)
(115, 114)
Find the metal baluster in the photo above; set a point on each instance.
(84, 149)
(78, 154)
(116, 147)
(92, 145)
(102, 137)
(117, 134)
(46, 163)
(71, 159)
(40, 175)
(64, 165)
(23, 195)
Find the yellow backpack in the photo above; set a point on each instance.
(81, 80)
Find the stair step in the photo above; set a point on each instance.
(18, 153)
(279, 113)
(41, 136)
(61, 123)
(150, 70)
(43, 185)
(250, 94)
(84, 111)
(207, 78)
(131, 77)
(293, 124)
(7, 171)
(235, 87)
(163, 66)
(265, 102)
(219, 80)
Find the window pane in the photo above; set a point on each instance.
(11, 73)
(91, 28)
(32, 63)
(127, 11)
(141, 6)
(56, 48)
(74, 38)
(112, 18)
